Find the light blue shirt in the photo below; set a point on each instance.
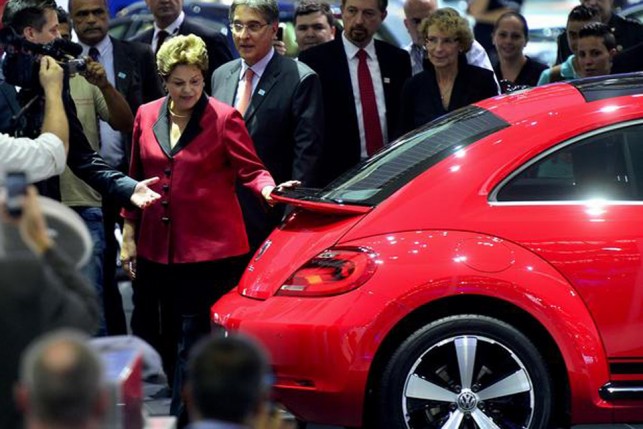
(567, 72)
(112, 142)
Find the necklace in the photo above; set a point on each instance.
(445, 92)
(176, 115)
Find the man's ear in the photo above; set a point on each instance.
(384, 14)
(273, 27)
(29, 33)
(613, 53)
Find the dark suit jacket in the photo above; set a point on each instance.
(284, 120)
(215, 42)
(136, 78)
(136, 74)
(37, 298)
(342, 143)
(198, 218)
(421, 102)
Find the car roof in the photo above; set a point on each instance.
(537, 101)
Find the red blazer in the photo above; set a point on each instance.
(198, 218)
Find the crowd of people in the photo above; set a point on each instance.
(183, 145)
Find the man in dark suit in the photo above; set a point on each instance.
(628, 32)
(362, 80)
(281, 102)
(131, 68)
(170, 20)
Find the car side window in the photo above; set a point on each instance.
(605, 166)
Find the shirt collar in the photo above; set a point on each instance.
(104, 46)
(352, 50)
(260, 66)
(173, 28)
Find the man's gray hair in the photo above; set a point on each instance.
(267, 8)
(64, 377)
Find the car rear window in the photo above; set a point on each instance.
(372, 181)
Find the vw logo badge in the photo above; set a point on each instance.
(467, 401)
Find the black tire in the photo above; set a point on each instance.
(422, 385)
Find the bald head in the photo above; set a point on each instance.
(414, 12)
(61, 381)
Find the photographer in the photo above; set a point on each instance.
(35, 24)
(38, 295)
(44, 156)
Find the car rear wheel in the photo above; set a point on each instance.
(466, 371)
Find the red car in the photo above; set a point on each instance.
(483, 271)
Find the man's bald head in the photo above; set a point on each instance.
(415, 11)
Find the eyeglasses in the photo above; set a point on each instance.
(434, 41)
(252, 27)
(416, 21)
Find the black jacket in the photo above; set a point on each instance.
(421, 102)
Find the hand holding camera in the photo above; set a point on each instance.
(22, 207)
(51, 76)
(95, 74)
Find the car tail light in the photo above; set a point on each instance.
(332, 272)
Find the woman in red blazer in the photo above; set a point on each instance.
(184, 250)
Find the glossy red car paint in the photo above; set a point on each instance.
(568, 274)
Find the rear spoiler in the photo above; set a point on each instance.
(319, 206)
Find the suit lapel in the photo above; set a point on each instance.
(386, 70)
(193, 128)
(267, 81)
(122, 68)
(226, 91)
(161, 129)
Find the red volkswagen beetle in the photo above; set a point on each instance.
(484, 271)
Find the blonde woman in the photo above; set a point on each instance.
(183, 252)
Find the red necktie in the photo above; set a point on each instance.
(245, 94)
(372, 126)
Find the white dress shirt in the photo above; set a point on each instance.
(39, 158)
(376, 75)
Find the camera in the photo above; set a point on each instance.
(21, 63)
(16, 185)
